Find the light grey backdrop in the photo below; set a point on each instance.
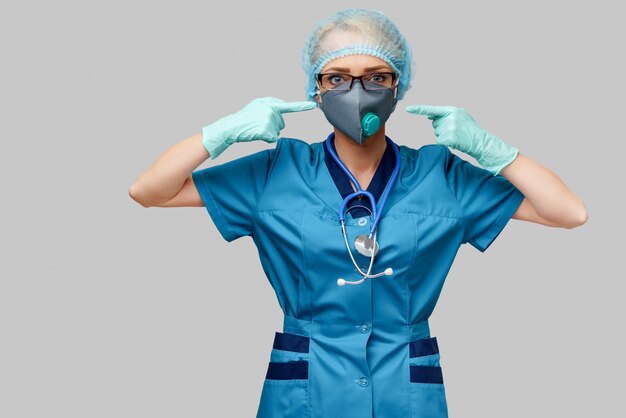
(109, 309)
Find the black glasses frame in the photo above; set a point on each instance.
(394, 78)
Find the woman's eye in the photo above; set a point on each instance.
(336, 79)
(378, 77)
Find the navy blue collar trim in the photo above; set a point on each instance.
(376, 186)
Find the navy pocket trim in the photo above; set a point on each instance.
(423, 347)
(426, 374)
(288, 370)
(291, 342)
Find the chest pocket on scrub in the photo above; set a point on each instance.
(285, 391)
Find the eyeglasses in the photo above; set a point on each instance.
(341, 81)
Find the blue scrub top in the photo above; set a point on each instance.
(358, 350)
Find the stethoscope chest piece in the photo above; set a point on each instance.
(366, 246)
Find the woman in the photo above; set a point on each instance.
(355, 339)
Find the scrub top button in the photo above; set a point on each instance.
(362, 221)
(365, 328)
(363, 381)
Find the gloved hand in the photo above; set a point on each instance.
(261, 119)
(455, 128)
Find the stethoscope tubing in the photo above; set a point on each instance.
(376, 209)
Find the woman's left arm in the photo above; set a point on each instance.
(547, 200)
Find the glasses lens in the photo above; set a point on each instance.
(383, 80)
(336, 81)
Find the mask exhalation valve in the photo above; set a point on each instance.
(370, 124)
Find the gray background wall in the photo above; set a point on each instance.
(109, 309)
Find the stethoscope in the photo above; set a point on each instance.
(364, 244)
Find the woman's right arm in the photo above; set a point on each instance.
(168, 182)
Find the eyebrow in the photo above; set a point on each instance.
(367, 69)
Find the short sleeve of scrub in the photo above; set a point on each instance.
(487, 201)
(231, 192)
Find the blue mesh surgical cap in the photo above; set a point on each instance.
(357, 31)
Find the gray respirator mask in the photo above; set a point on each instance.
(358, 112)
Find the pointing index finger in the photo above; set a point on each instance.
(431, 112)
(294, 106)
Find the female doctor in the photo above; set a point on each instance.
(357, 233)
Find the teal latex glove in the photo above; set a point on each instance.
(261, 119)
(455, 128)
